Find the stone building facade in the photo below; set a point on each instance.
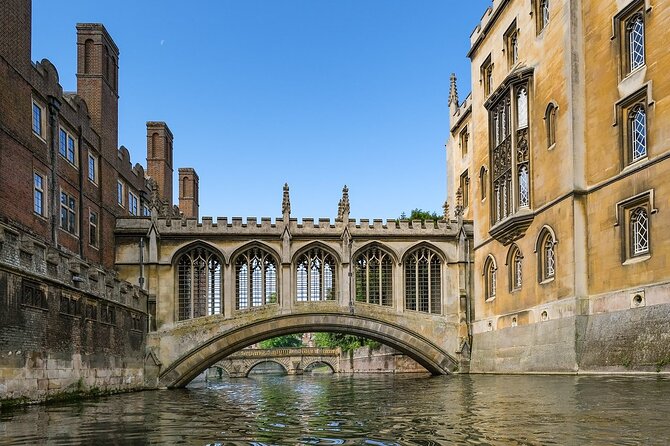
(67, 323)
(568, 156)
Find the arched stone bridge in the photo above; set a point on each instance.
(216, 287)
(293, 360)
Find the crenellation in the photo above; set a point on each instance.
(252, 222)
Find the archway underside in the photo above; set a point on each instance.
(422, 350)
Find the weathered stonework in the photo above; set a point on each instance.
(67, 328)
(585, 317)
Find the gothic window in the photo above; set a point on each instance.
(510, 154)
(374, 277)
(512, 44)
(199, 284)
(635, 41)
(550, 124)
(542, 15)
(465, 189)
(547, 255)
(490, 278)
(423, 289)
(639, 230)
(255, 279)
(486, 72)
(637, 129)
(483, 183)
(515, 263)
(315, 276)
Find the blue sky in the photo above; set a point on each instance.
(315, 93)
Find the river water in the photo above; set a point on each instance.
(363, 410)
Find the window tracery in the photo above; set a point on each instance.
(423, 289)
(199, 284)
(255, 279)
(374, 277)
(315, 276)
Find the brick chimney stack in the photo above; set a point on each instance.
(159, 158)
(189, 192)
(97, 82)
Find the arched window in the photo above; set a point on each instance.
(514, 264)
(483, 183)
(490, 278)
(637, 125)
(315, 276)
(374, 277)
(423, 289)
(550, 124)
(547, 255)
(635, 38)
(522, 108)
(639, 230)
(255, 279)
(199, 284)
(544, 13)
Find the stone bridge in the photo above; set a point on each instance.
(293, 360)
(216, 287)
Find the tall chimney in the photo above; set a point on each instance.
(188, 192)
(159, 158)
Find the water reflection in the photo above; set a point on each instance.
(363, 410)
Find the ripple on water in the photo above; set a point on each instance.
(363, 410)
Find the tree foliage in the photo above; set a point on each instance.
(344, 341)
(287, 341)
(420, 214)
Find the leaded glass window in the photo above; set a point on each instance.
(544, 14)
(635, 35)
(524, 187)
(315, 276)
(637, 119)
(255, 279)
(510, 154)
(522, 107)
(423, 289)
(639, 229)
(549, 257)
(490, 279)
(199, 284)
(374, 277)
(518, 274)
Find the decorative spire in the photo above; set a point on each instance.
(445, 206)
(286, 203)
(458, 212)
(453, 91)
(343, 205)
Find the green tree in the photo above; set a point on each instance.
(287, 341)
(344, 341)
(420, 214)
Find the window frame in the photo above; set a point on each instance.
(69, 152)
(70, 209)
(120, 193)
(490, 275)
(265, 258)
(431, 255)
(624, 212)
(486, 74)
(511, 37)
(41, 132)
(365, 276)
(543, 274)
(515, 269)
(550, 114)
(42, 190)
(625, 107)
(464, 185)
(620, 24)
(95, 159)
(93, 228)
(542, 15)
(133, 203)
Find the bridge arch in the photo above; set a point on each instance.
(311, 363)
(264, 361)
(211, 349)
